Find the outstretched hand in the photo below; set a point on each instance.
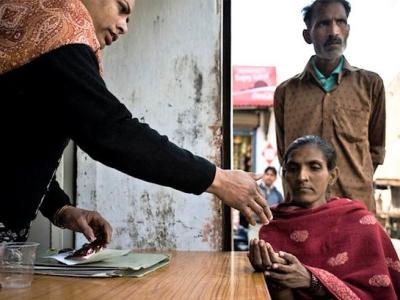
(239, 190)
(262, 256)
(90, 223)
(292, 274)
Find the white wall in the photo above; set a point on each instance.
(167, 71)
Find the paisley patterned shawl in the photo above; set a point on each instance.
(342, 244)
(31, 28)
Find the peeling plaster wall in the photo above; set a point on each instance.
(166, 70)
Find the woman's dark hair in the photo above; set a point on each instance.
(326, 149)
(308, 10)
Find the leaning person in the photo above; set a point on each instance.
(52, 91)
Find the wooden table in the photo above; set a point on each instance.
(190, 275)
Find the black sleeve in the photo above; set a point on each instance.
(105, 129)
(54, 199)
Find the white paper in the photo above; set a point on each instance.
(99, 256)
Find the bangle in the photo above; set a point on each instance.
(57, 220)
(315, 285)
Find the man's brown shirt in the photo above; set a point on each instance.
(351, 118)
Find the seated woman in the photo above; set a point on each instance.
(320, 247)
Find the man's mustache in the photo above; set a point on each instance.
(333, 41)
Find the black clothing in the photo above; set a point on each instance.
(61, 96)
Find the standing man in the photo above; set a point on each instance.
(343, 104)
(271, 193)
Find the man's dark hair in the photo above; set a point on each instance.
(308, 10)
(272, 169)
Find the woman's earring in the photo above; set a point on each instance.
(328, 191)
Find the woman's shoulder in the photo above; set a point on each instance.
(339, 201)
(60, 5)
(355, 210)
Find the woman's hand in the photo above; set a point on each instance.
(262, 256)
(239, 189)
(292, 274)
(90, 223)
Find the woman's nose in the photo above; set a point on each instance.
(303, 174)
(122, 26)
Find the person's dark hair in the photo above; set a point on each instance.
(326, 149)
(308, 10)
(272, 169)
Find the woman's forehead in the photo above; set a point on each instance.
(309, 152)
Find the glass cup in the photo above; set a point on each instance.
(17, 262)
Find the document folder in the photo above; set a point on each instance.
(129, 264)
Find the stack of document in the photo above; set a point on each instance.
(106, 263)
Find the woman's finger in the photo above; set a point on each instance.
(277, 276)
(255, 256)
(274, 256)
(101, 227)
(86, 230)
(264, 204)
(248, 213)
(290, 258)
(266, 261)
(282, 268)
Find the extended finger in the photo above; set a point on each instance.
(290, 258)
(255, 256)
(256, 176)
(258, 209)
(102, 227)
(282, 268)
(276, 276)
(261, 201)
(274, 256)
(249, 215)
(264, 214)
(252, 250)
(266, 261)
(107, 232)
(86, 230)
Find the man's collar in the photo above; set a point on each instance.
(347, 66)
(308, 71)
(338, 69)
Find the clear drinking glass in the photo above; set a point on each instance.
(17, 262)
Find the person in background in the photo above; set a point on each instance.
(343, 104)
(319, 247)
(271, 193)
(52, 90)
(272, 196)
